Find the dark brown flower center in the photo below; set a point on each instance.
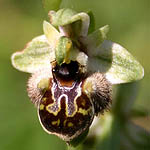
(67, 71)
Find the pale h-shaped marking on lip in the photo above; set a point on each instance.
(70, 95)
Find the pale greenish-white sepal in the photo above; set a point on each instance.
(95, 39)
(36, 55)
(104, 30)
(116, 63)
(61, 17)
(80, 57)
(85, 22)
(51, 33)
(67, 16)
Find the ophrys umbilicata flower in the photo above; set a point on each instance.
(72, 72)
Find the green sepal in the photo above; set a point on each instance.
(118, 65)
(62, 50)
(36, 55)
(92, 22)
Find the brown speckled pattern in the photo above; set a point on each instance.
(64, 109)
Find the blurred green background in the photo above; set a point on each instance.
(20, 21)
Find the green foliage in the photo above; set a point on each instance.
(119, 132)
(51, 4)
